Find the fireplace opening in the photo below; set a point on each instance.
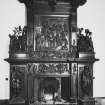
(49, 89)
(52, 89)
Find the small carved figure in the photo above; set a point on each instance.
(86, 80)
(16, 81)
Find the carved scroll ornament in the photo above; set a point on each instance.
(48, 68)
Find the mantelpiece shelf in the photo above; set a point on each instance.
(57, 104)
(33, 60)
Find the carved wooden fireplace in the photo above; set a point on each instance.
(51, 60)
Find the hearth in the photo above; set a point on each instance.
(50, 90)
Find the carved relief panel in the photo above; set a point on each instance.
(17, 81)
(85, 80)
(48, 68)
(51, 33)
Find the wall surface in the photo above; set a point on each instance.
(91, 16)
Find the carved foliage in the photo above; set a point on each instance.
(84, 42)
(48, 68)
(18, 40)
(52, 36)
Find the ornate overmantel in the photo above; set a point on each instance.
(51, 60)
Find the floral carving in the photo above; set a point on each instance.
(45, 68)
(84, 42)
(18, 40)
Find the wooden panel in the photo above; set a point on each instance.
(85, 80)
(17, 83)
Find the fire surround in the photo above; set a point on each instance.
(51, 60)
